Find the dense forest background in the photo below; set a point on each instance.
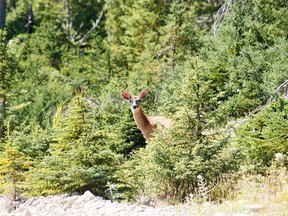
(210, 66)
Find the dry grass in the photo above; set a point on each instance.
(252, 195)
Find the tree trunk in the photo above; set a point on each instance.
(68, 20)
(2, 13)
(3, 117)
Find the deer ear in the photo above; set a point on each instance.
(143, 93)
(126, 95)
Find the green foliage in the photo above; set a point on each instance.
(193, 147)
(128, 137)
(242, 58)
(13, 168)
(84, 12)
(79, 158)
(32, 140)
(264, 135)
(80, 140)
(170, 170)
(8, 71)
(17, 19)
(39, 56)
(118, 120)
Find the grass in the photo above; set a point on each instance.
(252, 195)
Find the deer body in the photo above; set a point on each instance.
(146, 124)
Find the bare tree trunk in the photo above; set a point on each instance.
(68, 20)
(3, 117)
(2, 13)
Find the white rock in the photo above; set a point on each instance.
(87, 196)
(27, 213)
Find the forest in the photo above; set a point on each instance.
(217, 68)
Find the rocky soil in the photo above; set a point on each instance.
(90, 205)
(84, 205)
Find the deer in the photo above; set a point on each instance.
(147, 124)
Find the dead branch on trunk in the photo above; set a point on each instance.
(220, 15)
(76, 38)
(281, 91)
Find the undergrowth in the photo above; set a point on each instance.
(255, 194)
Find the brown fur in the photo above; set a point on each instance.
(147, 124)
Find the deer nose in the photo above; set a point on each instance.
(134, 106)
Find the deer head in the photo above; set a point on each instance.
(135, 101)
(147, 124)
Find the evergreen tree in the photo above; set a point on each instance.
(80, 158)
(195, 135)
(180, 35)
(133, 35)
(195, 145)
(201, 80)
(8, 70)
(264, 135)
(39, 56)
(17, 19)
(128, 137)
(242, 58)
(32, 140)
(13, 168)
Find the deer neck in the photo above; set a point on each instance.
(142, 123)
